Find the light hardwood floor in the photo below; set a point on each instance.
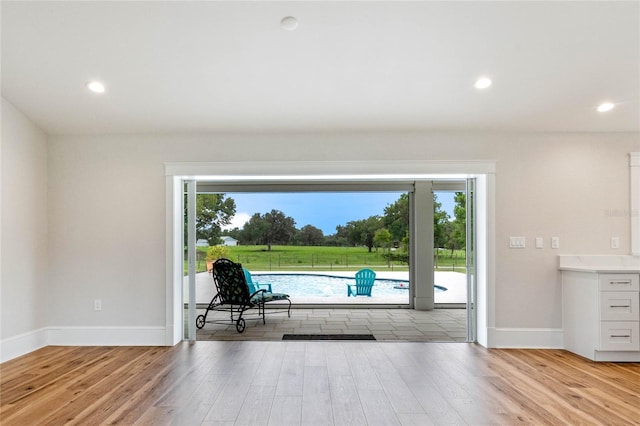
(315, 383)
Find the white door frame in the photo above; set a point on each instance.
(327, 172)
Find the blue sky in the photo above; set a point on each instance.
(324, 210)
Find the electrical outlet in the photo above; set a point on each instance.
(97, 305)
(555, 242)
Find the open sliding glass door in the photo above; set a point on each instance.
(471, 260)
(189, 293)
(445, 189)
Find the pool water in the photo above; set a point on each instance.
(313, 285)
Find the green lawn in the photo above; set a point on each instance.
(296, 258)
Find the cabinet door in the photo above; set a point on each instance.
(619, 306)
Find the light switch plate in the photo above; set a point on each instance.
(615, 242)
(516, 242)
(555, 242)
(539, 242)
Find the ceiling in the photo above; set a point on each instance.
(187, 66)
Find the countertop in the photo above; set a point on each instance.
(600, 264)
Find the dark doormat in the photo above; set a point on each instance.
(328, 337)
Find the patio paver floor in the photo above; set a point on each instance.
(439, 325)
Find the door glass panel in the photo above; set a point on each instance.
(189, 282)
(450, 254)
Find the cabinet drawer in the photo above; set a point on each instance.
(619, 282)
(619, 336)
(619, 305)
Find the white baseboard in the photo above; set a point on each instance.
(107, 336)
(617, 356)
(16, 346)
(526, 338)
(21, 344)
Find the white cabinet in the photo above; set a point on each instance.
(601, 315)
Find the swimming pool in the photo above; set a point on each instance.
(319, 285)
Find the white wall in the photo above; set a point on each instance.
(556, 186)
(25, 281)
(106, 216)
(107, 209)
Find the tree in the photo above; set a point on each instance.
(450, 241)
(271, 228)
(363, 231)
(339, 239)
(440, 219)
(460, 221)
(235, 233)
(382, 237)
(253, 231)
(396, 218)
(213, 211)
(280, 228)
(309, 235)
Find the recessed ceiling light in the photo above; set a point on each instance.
(289, 23)
(605, 106)
(96, 87)
(483, 83)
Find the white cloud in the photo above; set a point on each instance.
(237, 221)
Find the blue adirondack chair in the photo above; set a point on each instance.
(364, 283)
(266, 295)
(255, 286)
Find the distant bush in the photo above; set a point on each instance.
(217, 252)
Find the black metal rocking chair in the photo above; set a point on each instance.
(233, 295)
